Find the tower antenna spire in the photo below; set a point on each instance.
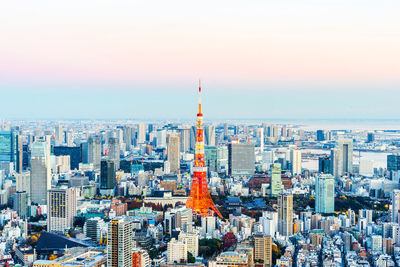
(199, 96)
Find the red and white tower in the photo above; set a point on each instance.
(199, 199)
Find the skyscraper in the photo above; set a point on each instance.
(107, 175)
(320, 135)
(129, 136)
(241, 159)
(173, 152)
(184, 139)
(370, 137)
(324, 164)
(11, 149)
(395, 205)
(295, 160)
(119, 243)
(114, 150)
(263, 250)
(210, 135)
(393, 162)
(141, 133)
(61, 209)
(342, 157)
(285, 214)
(94, 151)
(161, 137)
(276, 179)
(59, 134)
(21, 204)
(40, 172)
(325, 194)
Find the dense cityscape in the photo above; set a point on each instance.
(131, 193)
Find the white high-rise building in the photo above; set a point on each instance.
(61, 209)
(184, 139)
(208, 225)
(177, 251)
(295, 159)
(395, 205)
(161, 137)
(94, 151)
(119, 243)
(269, 222)
(141, 133)
(40, 172)
(192, 242)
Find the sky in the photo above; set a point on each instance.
(139, 59)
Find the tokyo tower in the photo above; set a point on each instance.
(199, 199)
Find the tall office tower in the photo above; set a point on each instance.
(107, 175)
(210, 153)
(114, 151)
(342, 157)
(222, 158)
(93, 228)
(119, 243)
(395, 205)
(393, 162)
(276, 179)
(173, 152)
(84, 152)
(185, 139)
(241, 159)
(11, 149)
(177, 251)
(74, 153)
(324, 164)
(236, 130)
(199, 199)
(260, 133)
(21, 204)
(61, 209)
(161, 137)
(40, 172)
(325, 194)
(129, 136)
(370, 137)
(226, 131)
(141, 133)
(285, 214)
(320, 135)
(295, 160)
(263, 250)
(23, 183)
(210, 135)
(59, 135)
(94, 151)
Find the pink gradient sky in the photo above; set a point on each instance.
(245, 42)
